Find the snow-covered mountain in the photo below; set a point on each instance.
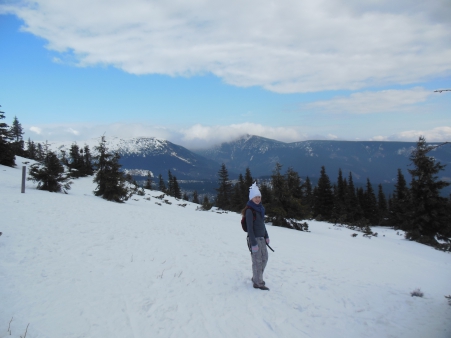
(139, 155)
(378, 161)
(78, 266)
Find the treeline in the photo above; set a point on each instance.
(418, 209)
(53, 173)
(11, 141)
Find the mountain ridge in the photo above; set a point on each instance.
(377, 160)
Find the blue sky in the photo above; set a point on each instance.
(198, 72)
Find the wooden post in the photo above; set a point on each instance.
(24, 170)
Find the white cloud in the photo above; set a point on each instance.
(201, 136)
(36, 130)
(198, 136)
(73, 131)
(194, 137)
(283, 46)
(373, 102)
(438, 134)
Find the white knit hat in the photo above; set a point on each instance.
(254, 191)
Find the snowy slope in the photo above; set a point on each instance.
(78, 266)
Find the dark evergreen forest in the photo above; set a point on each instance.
(417, 208)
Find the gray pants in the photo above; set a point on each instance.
(259, 260)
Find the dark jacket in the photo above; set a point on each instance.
(255, 228)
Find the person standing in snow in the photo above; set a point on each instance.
(258, 236)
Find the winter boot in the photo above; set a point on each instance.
(261, 287)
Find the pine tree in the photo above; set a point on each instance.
(148, 184)
(31, 150)
(7, 156)
(195, 197)
(185, 197)
(177, 193)
(361, 199)
(110, 180)
(353, 210)
(279, 197)
(16, 134)
(266, 192)
(206, 205)
(75, 161)
(293, 203)
(244, 191)
(40, 153)
(161, 184)
(398, 213)
(248, 180)
(16, 130)
(224, 189)
(50, 174)
(323, 199)
(280, 190)
(382, 205)
(237, 197)
(429, 215)
(339, 210)
(307, 201)
(170, 190)
(88, 169)
(369, 205)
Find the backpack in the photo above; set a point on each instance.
(243, 219)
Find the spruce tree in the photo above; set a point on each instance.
(206, 205)
(382, 205)
(248, 180)
(243, 190)
(429, 214)
(353, 210)
(177, 193)
(280, 190)
(266, 192)
(237, 197)
(50, 174)
(148, 184)
(111, 182)
(339, 210)
(170, 189)
(16, 130)
(224, 189)
(75, 161)
(161, 184)
(307, 200)
(40, 153)
(16, 134)
(293, 202)
(88, 169)
(369, 205)
(195, 197)
(323, 199)
(398, 213)
(31, 150)
(7, 156)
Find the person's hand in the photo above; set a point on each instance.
(267, 240)
(255, 248)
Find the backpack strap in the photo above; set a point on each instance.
(253, 212)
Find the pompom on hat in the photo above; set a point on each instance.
(254, 191)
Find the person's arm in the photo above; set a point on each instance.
(250, 227)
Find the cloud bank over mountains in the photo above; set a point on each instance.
(283, 46)
(200, 136)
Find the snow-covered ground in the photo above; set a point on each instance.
(78, 266)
